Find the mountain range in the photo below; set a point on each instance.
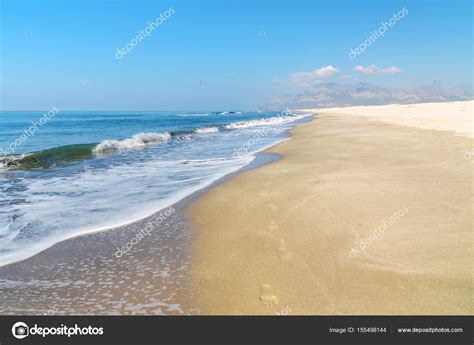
(324, 95)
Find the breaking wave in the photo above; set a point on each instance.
(139, 139)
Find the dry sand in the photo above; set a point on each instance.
(278, 239)
(449, 116)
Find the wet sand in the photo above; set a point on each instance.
(87, 275)
(283, 238)
(96, 274)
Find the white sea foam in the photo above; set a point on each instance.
(206, 130)
(139, 139)
(7, 161)
(276, 120)
(99, 205)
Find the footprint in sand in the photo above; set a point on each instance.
(268, 184)
(263, 194)
(285, 255)
(267, 297)
(273, 226)
(273, 208)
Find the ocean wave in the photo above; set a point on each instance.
(69, 153)
(192, 115)
(227, 112)
(206, 130)
(139, 139)
(49, 157)
(276, 120)
(9, 161)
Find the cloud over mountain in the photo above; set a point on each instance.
(309, 78)
(372, 69)
(324, 95)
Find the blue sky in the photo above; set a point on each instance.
(220, 54)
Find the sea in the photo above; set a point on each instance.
(67, 173)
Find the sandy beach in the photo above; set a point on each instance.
(368, 211)
(360, 215)
(448, 116)
(237, 173)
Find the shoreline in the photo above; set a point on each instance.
(91, 195)
(261, 222)
(288, 228)
(84, 256)
(260, 158)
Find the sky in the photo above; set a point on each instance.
(221, 55)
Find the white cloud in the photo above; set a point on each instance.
(309, 78)
(277, 81)
(372, 69)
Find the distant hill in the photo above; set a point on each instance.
(324, 95)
